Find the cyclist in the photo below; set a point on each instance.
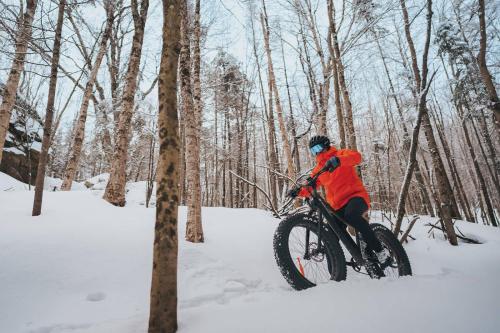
(344, 190)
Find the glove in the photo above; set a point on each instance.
(332, 164)
(293, 192)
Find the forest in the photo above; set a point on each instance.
(213, 103)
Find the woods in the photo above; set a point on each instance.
(302, 76)
(206, 104)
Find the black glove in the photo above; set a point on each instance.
(332, 164)
(293, 192)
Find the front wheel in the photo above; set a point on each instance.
(304, 260)
(400, 264)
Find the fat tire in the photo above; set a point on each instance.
(389, 240)
(285, 261)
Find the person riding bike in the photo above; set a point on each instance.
(344, 190)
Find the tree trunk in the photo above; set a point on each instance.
(477, 168)
(23, 36)
(444, 187)
(293, 127)
(324, 86)
(279, 109)
(163, 306)
(79, 132)
(49, 113)
(351, 133)
(269, 116)
(406, 135)
(336, 87)
(422, 87)
(453, 169)
(193, 117)
(115, 189)
(483, 69)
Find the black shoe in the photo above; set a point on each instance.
(373, 269)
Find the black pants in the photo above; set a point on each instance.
(352, 213)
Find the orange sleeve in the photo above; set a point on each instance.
(349, 157)
(305, 192)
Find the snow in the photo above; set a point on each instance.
(35, 145)
(14, 150)
(85, 266)
(8, 183)
(97, 182)
(52, 184)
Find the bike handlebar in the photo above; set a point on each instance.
(311, 181)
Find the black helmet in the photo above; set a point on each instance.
(319, 140)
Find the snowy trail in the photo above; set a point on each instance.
(85, 266)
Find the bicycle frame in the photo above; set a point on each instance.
(317, 203)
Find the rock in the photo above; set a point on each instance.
(23, 143)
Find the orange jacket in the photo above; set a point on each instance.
(343, 183)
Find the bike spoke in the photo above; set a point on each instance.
(315, 267)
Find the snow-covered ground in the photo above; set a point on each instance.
(85, 266)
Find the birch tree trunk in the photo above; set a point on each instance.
(269, 116)
(23, 36)
(336, 87)
(279, 109)
(349, 121)
(163, 306)
(323, 87)
(115, 189)
(293, 126)
(49, 112)
(192, 114)
(79, 133)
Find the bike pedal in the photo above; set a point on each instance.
(374, 270)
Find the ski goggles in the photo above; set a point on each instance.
(315, 150)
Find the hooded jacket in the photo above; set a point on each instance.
(343, 183)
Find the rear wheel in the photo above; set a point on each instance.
(303, 260)
(400, 264)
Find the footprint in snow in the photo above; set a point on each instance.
(96, 297)
(235, 286)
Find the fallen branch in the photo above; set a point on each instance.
(467, 239)
(407, 232)
(473, 241)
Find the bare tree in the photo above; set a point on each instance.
(422, 88)
(193, 116)
(115, 189)
(49, 112)
(483, 68)
(272, 79)
(163, 309)
(79, 131)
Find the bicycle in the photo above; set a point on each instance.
(307, 244)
